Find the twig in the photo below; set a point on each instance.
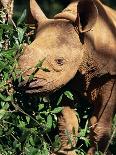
(110, 141)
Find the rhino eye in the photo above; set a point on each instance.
(60, 61)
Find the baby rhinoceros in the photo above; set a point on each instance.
(81, 40)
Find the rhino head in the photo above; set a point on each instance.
(59, 43)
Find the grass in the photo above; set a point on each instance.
(27, 123)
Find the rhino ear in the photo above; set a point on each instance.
(36, 12)
(86, 15)
(83, 13)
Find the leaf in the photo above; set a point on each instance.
(46, 99)
(45, 149)
(57, 143)
(49, 121)
(14, 76)
(86, 127)
(9, 54)
(69, 137)
(2, 65)
(60, 99)
(22, 124)
(2, 84)
(39, 64)
(2, 113)
(86, 140)
(1, 33)
(37, 67)
(21, 19)
(69, 95)
(41, 106)
(9, 98)
(85, 116)
(82, 133)
(6, 27)
(45, 69)
(31, 77)
(56, 110)
(28, 119)
(20, 34)
(4, 98)
(31, 141)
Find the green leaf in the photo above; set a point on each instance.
(56, 110)
(9, 53)
(20, 34)
(69, 95)
(2, 65)
(2, 113)
(86, 140)
(31, 141)
(9, 98)
(1, 33)
(2, 84)
(21, 19)
(45, 150)
(22, 124)
(6, 27)
(45, 69)
(57, 142)
(37, 67)
(28, 119)
(41, 106)
(49, 121)
(31, 77)
(16, 144)
(39, 64)
(4, 98)
(60, 99)
(86, 127)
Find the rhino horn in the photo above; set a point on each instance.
(37, 13)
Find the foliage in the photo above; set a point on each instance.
(27, 123)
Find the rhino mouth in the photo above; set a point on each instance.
(32, 86)
(37, 83)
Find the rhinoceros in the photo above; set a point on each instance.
(80, 40)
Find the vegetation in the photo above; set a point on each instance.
(27, 123)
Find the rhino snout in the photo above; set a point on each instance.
(33, 84)
(39, 82)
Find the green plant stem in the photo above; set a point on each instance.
(111, 138)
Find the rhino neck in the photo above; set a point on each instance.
(103, 34)
(89, 66)
(103, 39)
(94, 64)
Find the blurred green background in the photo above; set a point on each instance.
(52, 7)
